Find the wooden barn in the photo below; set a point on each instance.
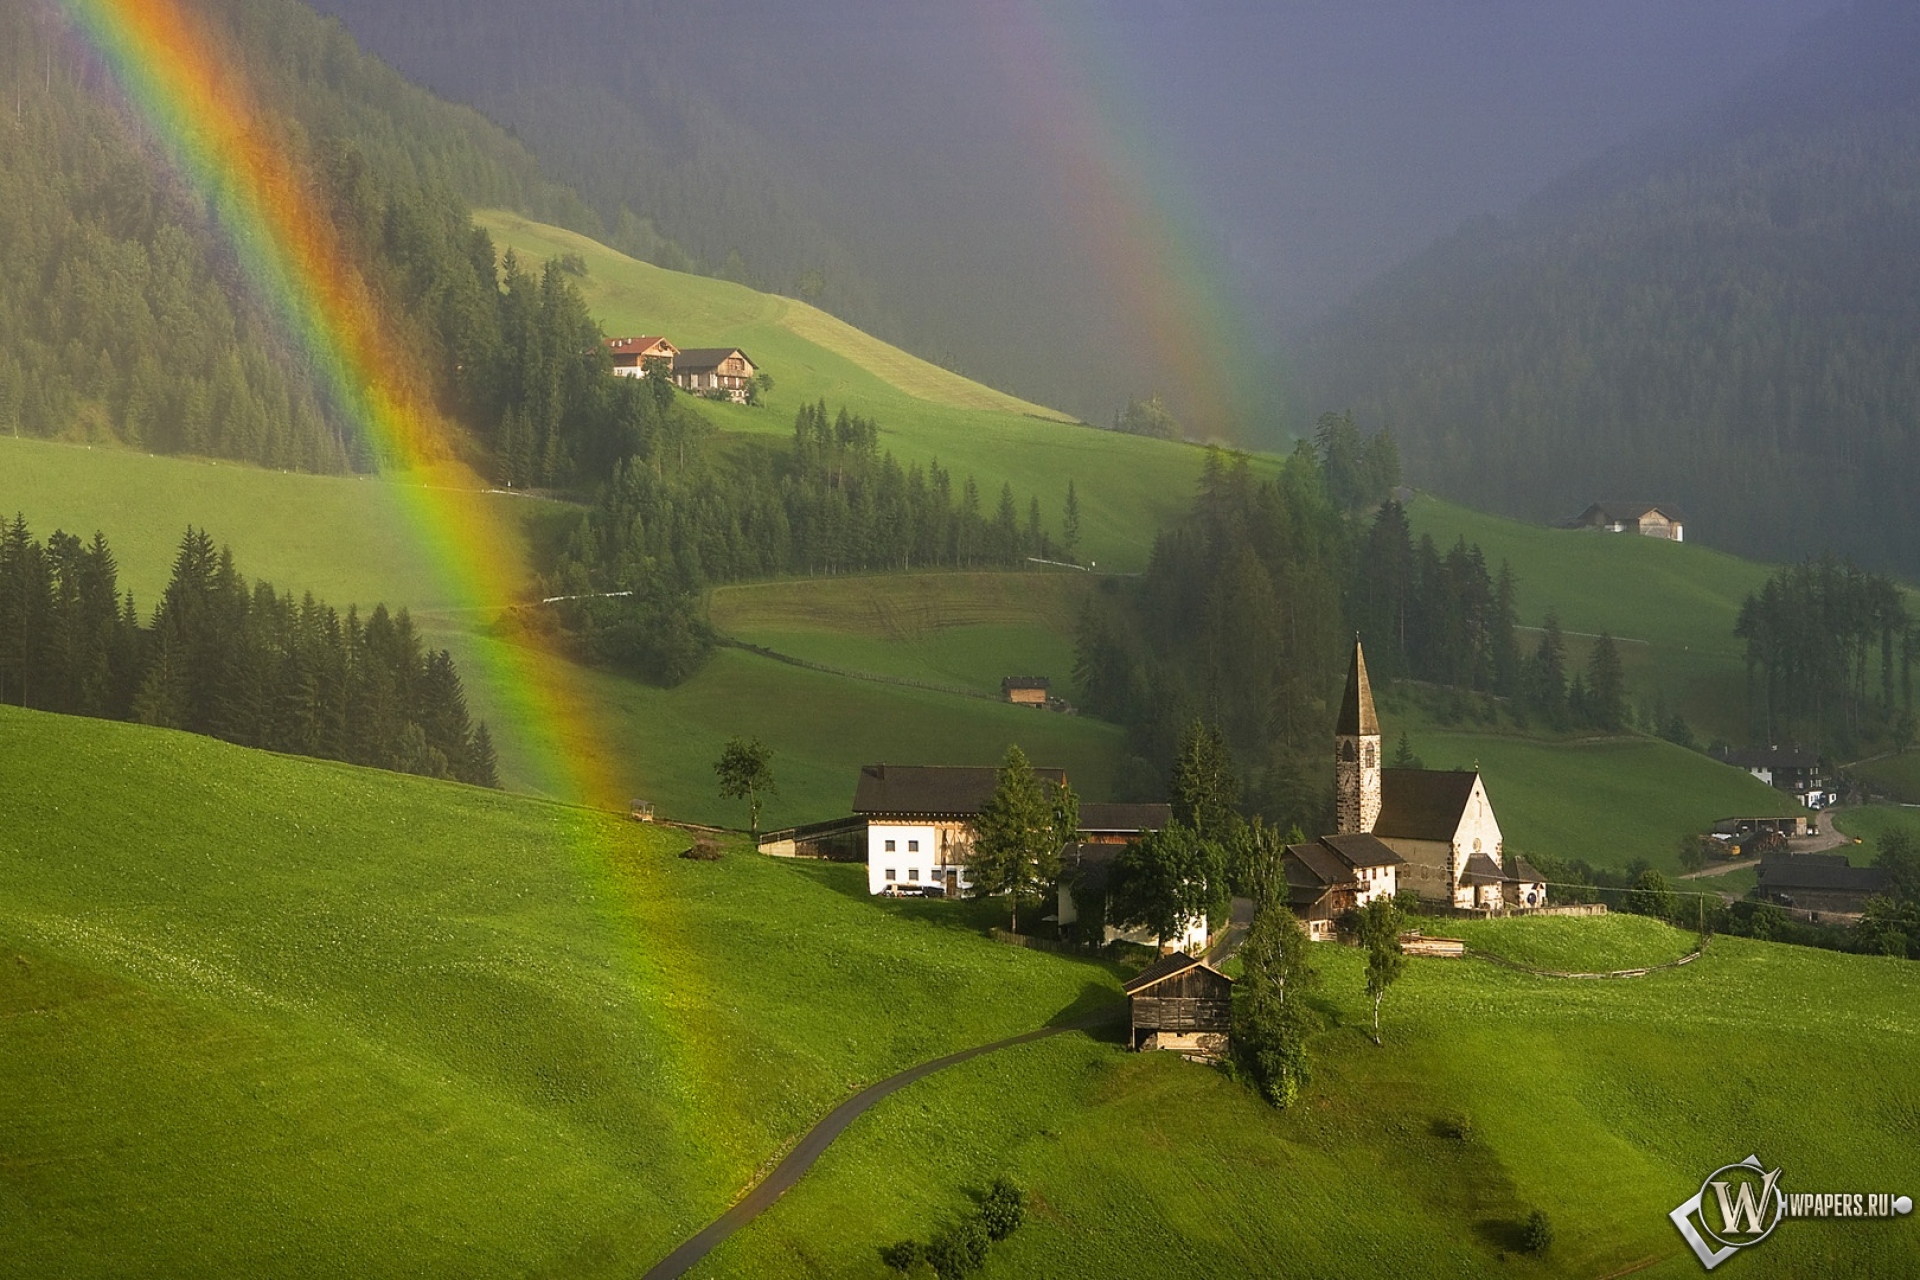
(1643, 518)
(1180, 1003)
(1026, 691)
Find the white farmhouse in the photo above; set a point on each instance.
(920, 823)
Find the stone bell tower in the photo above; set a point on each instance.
(1356, 753)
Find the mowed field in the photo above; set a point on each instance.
(301, 1018)
(1128, 486)
(268, 1016)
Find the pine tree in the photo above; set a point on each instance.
(1070, 523)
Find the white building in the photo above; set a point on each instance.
(920, 823)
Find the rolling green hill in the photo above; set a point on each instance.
(270, 1016)
(1128, 486)
(276, 1016)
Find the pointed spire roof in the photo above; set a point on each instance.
(1356, 709)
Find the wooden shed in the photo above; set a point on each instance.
(1180, 1003)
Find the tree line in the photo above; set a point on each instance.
(678, 516)
(246, 664)
(1245, 614)
(1817, 635)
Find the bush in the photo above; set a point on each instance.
(959, 1250)
(1538, 1233)
(1004, 1209)
(704, 849)
(902, 1257)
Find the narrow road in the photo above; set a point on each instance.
(817, 1139)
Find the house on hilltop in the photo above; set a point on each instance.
(1793, 769)
(710, 370)
(1026, 691)
(633, 357)
(1181, 1003)
(1632, 517)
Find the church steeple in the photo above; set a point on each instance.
(1356, 753)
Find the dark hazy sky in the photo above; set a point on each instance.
(1328, 140)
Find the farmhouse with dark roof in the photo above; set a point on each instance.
(1642, 518)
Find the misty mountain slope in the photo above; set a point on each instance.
(1722, 315)
(869, 158)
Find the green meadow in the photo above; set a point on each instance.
(268, 1016)
(1127, 486)
(1603, 1104)
(272, 1016)
(1897, 775)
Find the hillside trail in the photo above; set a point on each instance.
(816, 1140)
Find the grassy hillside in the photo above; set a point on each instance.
(966, 631)
(1127, 486)
(1607, 800)
(1672, 605)
(268, 1016)
(1602, 1103)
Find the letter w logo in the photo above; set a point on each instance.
(1744, 1207)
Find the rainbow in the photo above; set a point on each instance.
(1127, 199)
(197, 103)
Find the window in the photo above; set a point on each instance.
(913, 873)
(913, 846)
(889, 850)
(892, 874)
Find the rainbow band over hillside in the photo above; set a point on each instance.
(198, 105)
(1127, 200)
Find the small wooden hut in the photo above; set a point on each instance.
(1178, 1002)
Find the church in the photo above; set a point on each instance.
(1428, 830)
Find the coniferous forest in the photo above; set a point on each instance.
(677, 517)
(246, 664)
(1719, 315)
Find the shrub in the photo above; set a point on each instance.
(902, 1257)
(1004, 1209)
(703, 850)
(1538, 1232)
(959, 1250)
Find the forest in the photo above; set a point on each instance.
(1719, 316)
(1830, 650)
(679, 514)
(122, 312)
(246, 664)
(1244, 619)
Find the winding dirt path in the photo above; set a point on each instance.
(817, 1139)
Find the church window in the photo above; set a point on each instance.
(1346, 751)
(1367, 755)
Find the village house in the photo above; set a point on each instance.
(1025, 691)
(633, 357)
(1086, 871)
(1334, 875)
(1789, 768)
(919, 823)
(1438, 823)
(1121, 823)
(1632, 517)
(707, 370)
(1180, 1003)
(1823, 883)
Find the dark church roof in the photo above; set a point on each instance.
(957, 790)
(1356, 708)
(1481, 869)
(1519, 869)
(1422, 804)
